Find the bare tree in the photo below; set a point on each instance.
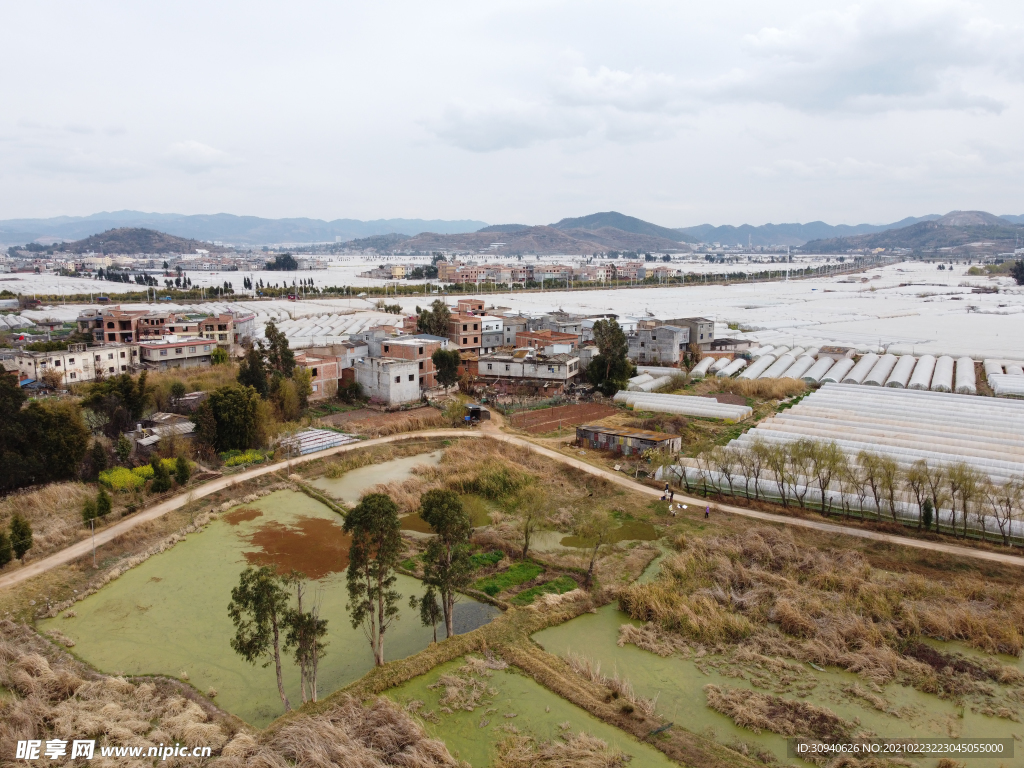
(758, 462)
(777, 462)
(705, 468)
(1005, 501)
(916, 481)
(964, 482)
(936, 478)
(724, 462)
(890, 477)
(743, 456)
(826, 464)
(871, 472)
(802, 458)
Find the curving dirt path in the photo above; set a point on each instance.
(493, 432)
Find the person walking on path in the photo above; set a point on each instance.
(671, 495)
(707, 512)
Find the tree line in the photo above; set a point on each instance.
(876, 484)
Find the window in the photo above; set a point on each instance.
(71, 361)
(179, 350)
(475, 326)
(206, 348)
(421, 365)
(163, 353)
(72, 375)
(111, 369)
(124, 367)
(97, 358)
(465, 327)
(398, 379)
(110, 356)
(412, 377)
(387, 348)
(314, 373)
(421, 350)
(475, 339)
(551, 369)
(112, 337)
(489, 366)
(507, 368)
(316, 387)
(191, 349)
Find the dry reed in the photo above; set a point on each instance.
(764, 712)
(573, 751)
(764, 389)
(54, 511)
(830, 608)
(619, 687)
(57, 697)
(348, 733)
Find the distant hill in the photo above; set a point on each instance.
(957, 228)
(789, 234)
(1014, 219)
(386, 242)
(136, 240)
(504, 228)
(615, 220)
(225, 227)
(543, 240)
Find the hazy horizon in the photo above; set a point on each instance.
(737, 113)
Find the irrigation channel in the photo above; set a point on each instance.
(168, 616)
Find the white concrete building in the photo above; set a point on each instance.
(174, 352)
(79, 363)
(388, 380)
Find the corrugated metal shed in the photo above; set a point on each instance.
(624, 440)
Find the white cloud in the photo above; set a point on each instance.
(874, 57)
(196, 157)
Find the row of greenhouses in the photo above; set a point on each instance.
(965, 454)
(686, 405)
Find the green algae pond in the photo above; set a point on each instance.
(678, 685)
(517, 702)
(169, 615)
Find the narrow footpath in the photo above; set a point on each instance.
(489, 431)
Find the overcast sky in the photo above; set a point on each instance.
(677, 112)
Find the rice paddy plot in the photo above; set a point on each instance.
(518, 702)
(678, 683)
(168, 616)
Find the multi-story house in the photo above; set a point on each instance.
(174, 352)
(418, 349)
(79, 363)
(662, 345)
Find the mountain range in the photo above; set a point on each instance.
(224, 227)
(604, 231)
(954, 230)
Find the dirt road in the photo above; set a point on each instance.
(491, 431)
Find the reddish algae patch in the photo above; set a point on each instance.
(312, 545)
(242, 515)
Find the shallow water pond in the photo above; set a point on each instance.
(678, 683)
(354, 483)
(628, 530)
(478, 509)
(471, 736)
(169, 614)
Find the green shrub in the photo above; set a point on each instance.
(519, 573)
(558, 586)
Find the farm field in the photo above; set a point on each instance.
(550, 419)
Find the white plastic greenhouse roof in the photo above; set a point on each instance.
(686, 405)
(906, 424)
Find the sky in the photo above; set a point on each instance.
(680, 113)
